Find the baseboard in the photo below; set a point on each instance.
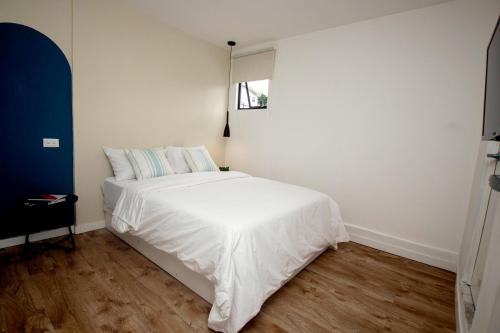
(78, 229)
(420, 252)
(86, 227)
(430, 255)
(461, 325)
(13, 241)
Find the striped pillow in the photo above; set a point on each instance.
(199, 159)
(149, 163)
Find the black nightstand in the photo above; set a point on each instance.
(39, 216)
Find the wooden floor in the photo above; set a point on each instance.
(106, 286)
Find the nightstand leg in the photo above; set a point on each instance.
(26, 246)
(71, 238)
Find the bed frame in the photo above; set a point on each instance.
(173, 266)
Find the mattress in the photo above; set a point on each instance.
(112, 189)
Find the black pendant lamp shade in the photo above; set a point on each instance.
(227, 132)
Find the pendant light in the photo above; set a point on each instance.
(227, 132)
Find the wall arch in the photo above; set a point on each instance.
(35, 99)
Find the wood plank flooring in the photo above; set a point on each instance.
(106, 286)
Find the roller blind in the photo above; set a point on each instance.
(253, 67)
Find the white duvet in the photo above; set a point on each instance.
(247, 235)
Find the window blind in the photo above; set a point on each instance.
(253, 67)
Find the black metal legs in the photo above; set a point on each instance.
(30, 249)
(71, 238)
(26, 246)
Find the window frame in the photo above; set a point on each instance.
(248, 96)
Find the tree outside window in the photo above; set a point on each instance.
(253, 94)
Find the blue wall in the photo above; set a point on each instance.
(35, 103)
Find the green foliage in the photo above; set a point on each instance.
(262, 100)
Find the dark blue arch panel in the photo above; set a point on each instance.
(35, 103)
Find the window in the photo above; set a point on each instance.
(253, 94)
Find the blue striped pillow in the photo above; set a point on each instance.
(149, 163)
(199, 160)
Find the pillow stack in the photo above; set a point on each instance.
(149, 163)
(199, 159)
(157, 162)
(175, 156)
(119, 163)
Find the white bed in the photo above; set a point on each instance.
(232, 238)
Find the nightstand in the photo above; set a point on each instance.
(39, 215)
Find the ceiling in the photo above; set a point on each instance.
(251, 22)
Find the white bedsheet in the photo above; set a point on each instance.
(112, 189)
(245, 234)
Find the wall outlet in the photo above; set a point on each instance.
(51, 143)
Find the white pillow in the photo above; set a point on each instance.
(149, 163)
(176, 158)
(199, 159)
(119, 163)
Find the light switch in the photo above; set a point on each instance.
(50, 143)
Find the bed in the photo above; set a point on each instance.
(232, 238)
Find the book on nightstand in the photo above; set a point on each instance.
(49, 199)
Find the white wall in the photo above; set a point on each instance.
(139, 83)
(50, 17)
(383, 115)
